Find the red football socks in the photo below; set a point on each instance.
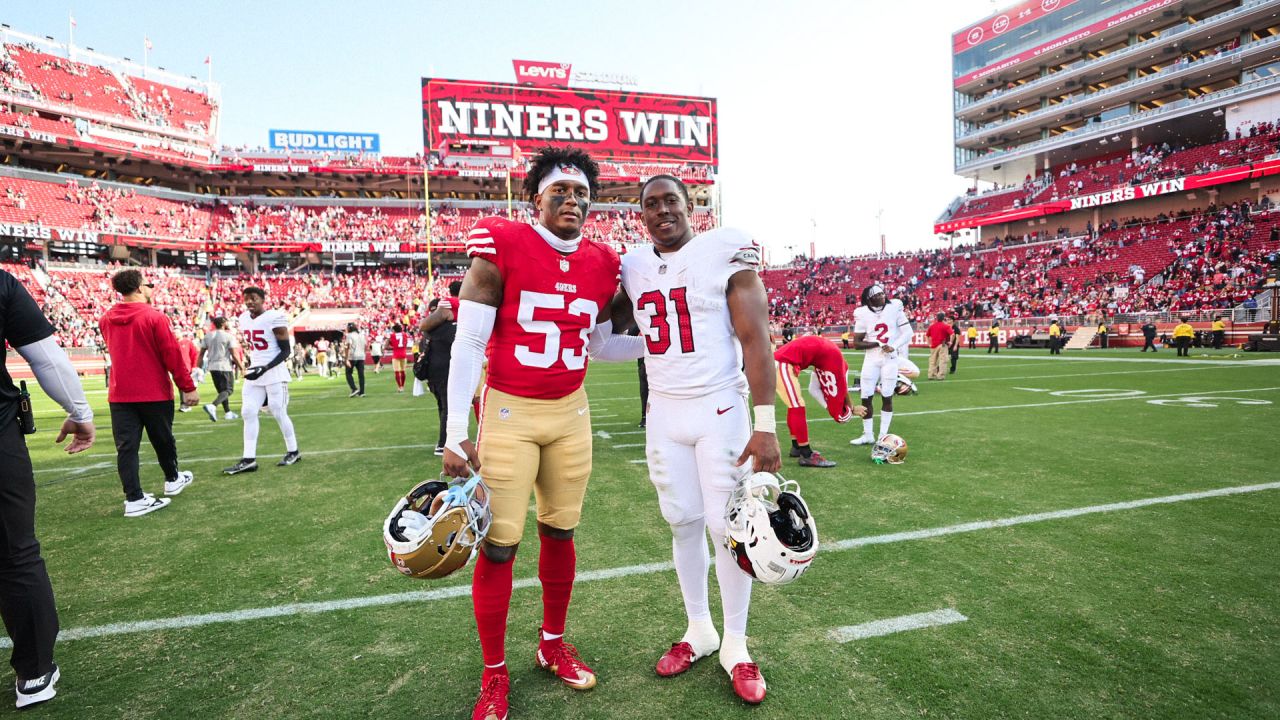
(491, 596)
(400, 380)
(798, 426)
(557, 566)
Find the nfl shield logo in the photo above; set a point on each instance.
(564, 265)
(504, 413)
(662, 269)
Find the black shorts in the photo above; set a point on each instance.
(223, 380)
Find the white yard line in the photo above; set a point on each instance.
(888, 626)
(456, 591)
(628, 445)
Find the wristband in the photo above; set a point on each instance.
(766, 419)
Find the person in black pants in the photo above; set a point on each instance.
(435, 364)
(355, 343)
(955, 344)
(141, 339)
(644, 383)
(26, 594)
(1149, 336)
(993, 344)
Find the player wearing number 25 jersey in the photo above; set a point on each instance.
(703, 317)
(265, 335)
(529, 302)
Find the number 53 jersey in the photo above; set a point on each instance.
(681, 305)
(550, 302)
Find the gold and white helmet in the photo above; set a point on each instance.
(889, 449)
(769, 529)
(437, 527)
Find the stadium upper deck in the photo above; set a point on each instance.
(1048, 82)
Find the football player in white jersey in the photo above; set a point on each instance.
(702, 310)
(265, 337)
(882, 329)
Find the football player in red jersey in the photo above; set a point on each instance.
(399, 342)
(703, 317)
(828, 386)
(532, 297)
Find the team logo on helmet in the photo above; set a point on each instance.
(769, 529)
(889, 449)
(437, 527)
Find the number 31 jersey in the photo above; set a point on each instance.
(550, 302)
(259, 338)
(681, 305)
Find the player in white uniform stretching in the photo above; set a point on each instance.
(701, 309)
(265, 337)
(881, 328)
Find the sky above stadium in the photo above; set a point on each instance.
(829, 112)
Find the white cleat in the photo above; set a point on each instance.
(863, 440)
(230, 416)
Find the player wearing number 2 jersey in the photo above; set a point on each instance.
(702, 311)
(881, 327)
(530, 300)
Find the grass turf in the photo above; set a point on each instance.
(1164, 611)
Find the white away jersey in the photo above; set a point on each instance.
(257, 334)
(889, 327)
(679, 301)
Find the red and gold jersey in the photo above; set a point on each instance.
(829, 369)
(550, 302)
(399, 342)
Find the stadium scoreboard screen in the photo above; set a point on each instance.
(609, 124)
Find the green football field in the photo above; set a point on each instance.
(1061, 510)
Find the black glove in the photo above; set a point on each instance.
(254, 373)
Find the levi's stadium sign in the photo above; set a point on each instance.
(542, 74)
(606, 123)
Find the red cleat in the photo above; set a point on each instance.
(562, 659)
(748, 683)
(492, 704)
(676, 660)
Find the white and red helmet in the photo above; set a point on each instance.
(770, 530)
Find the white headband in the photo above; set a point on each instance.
(874, 290)
(572, 173)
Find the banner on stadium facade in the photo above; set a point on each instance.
(280, 168)
(542, 74)
(32, 231)
(606, 123)
(1068, 39)
(27, 134)
(997, 25)
(324, 141)
(1131, 192)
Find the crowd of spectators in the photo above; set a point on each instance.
(1197, 260)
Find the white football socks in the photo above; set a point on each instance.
(689, 551)
(733, 650)
(702, 637)
(867, 428)
(885, 419)
(735, 590)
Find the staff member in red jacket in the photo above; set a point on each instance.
(146, 354)
(939, 347)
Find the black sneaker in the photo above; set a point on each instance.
(795, 451)
(815, 459)
(439, 450)
(38, 689)
(245, 465)
(289, 458)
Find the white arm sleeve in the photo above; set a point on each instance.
(57, 377)
(607, 347)
(466, 359)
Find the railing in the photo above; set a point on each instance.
(1207, 24)
(1164, 73)
(1120, 123)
